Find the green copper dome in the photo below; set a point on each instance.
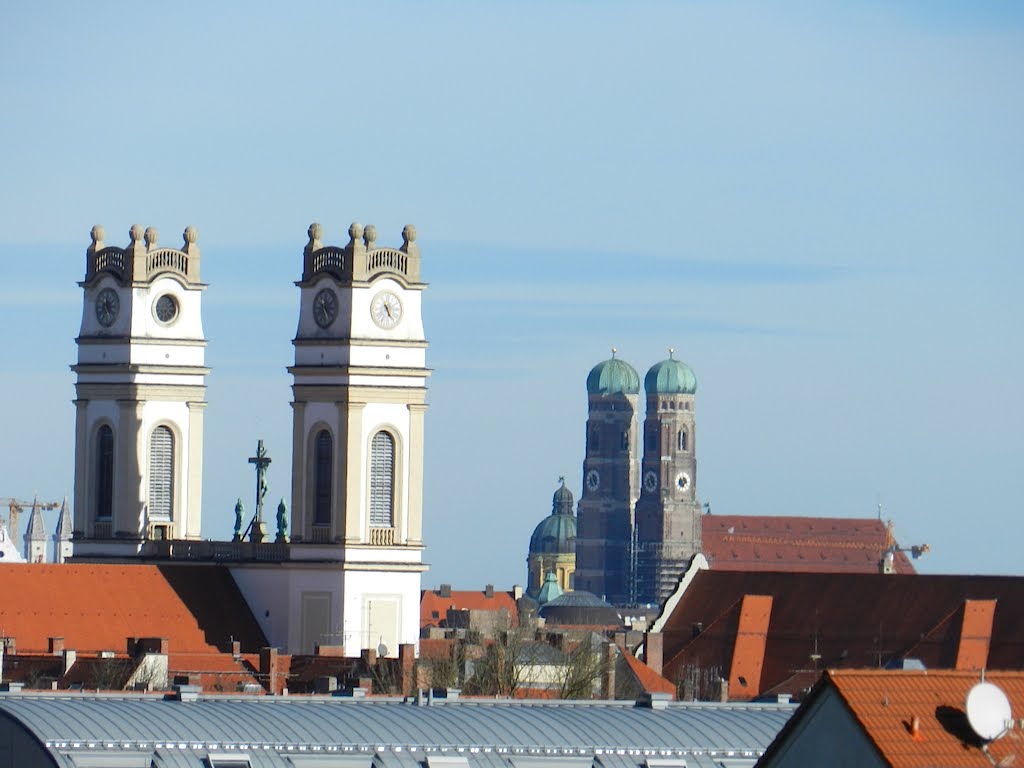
(670, 377)
(556, 533)
(613, 377)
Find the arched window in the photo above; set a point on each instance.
(322, 481)
(382, 481)
(595, 440)
(161, 473)
(104, 473)
(682, 440)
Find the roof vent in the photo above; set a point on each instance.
(187, 692)
(653, 700)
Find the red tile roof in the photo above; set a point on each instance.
(431, 602)
(840, 620)
(648, 679)
(198, 608)
(886, 703)
(803, 544)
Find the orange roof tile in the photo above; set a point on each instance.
(648, 679)
(748, 652)
(802, 544)
(975, 634)
(885, 703)
(434, 608)
(97, 607)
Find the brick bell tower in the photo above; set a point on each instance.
(668, 514)
(140, 396)
(611, 474)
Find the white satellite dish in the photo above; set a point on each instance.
(988, 711)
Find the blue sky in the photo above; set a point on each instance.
(819, 205)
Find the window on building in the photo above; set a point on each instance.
(382, 481)
(104, 473)
(161, 473)
(682, 440)
(323, 475)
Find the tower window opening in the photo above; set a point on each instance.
(595, 440)
(382, 481)
(104, 473)
(322, 480)
(161, 473)
(681, 440)
(652, 440)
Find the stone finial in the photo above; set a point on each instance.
(98, 235)
(190, 236)
(135, 233)
(151, 236)
(370, 237)
(409, 240)
(355, 244)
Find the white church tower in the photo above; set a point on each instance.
(357, 443)
(141, 388)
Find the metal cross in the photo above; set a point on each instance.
(262, 461)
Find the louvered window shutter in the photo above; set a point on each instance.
(382, 481)
(161, 473)
(104, 472)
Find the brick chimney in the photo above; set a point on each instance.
(445, 590)
(270, 671)
(406, 668)
(489, 591)
(55, 646)
(654, 650)
(611, 653)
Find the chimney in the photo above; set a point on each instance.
(269, 669)
(517, 592)
(654, 649)
(10, 646)
(68, 660)
(406, 668)
(236, 650)
(55, 646)
(611, 652)
(489, 591)
(369, 656)
(445, 590)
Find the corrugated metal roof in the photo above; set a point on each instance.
(395, 734)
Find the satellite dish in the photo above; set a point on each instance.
(988, 711)
(382, 649)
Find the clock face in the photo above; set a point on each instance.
(107, 307)
(682, 481)
(386, 309)
(650, 481)
(325, 307)
(166, 309)
(593, 480)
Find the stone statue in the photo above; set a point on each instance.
(282, 521)
(239, 514)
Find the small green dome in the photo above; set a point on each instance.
(670, 377)
(550, 591)
(613, 377)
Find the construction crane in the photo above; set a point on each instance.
(16, 506)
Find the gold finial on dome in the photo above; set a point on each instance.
(671, 352)
(614, 350)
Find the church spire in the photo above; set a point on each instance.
(62, 535)
(35, 536)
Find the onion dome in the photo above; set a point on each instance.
(556, 533)
(670, 377)
(613, 377)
